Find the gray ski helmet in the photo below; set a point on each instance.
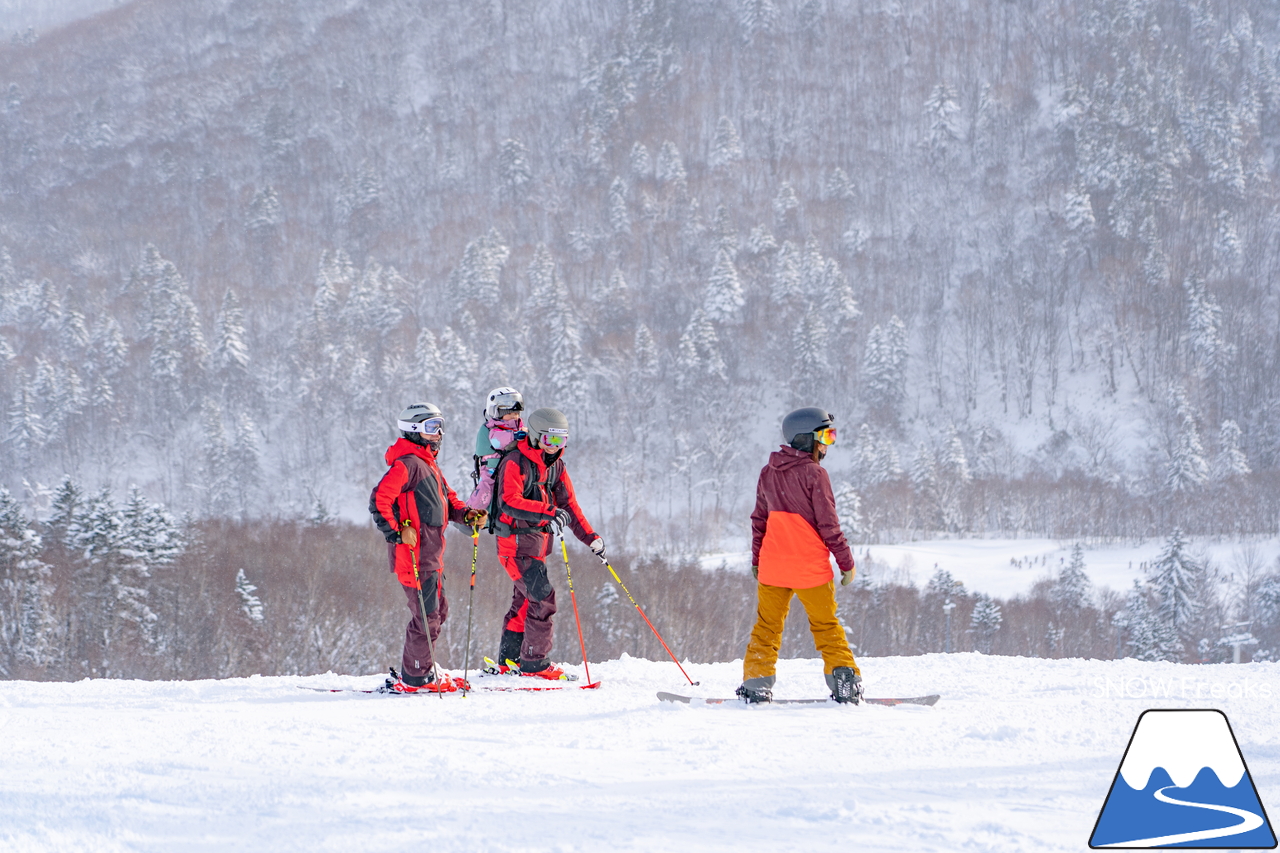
(548, 429)
(422, 423)
(799, 426)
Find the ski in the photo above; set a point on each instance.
(534, 688)
(693, 700)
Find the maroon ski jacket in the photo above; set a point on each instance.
(794, 525)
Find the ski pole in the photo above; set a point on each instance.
(573, 598)
(422, 613)
(471, 597)
(642, 616)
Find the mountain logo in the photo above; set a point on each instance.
(1183, 783)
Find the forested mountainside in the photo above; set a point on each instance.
(1031, 246)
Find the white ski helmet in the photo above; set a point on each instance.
(422, 423)
(502, 401)
(548, 429)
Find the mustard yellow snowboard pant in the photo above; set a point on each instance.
(773, 602)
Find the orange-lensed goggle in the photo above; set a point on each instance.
(826, 435)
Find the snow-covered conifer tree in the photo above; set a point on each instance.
(849, 510)
(726, 147)
(1148, 637)
(231, 354)
(786, 207)
(1187, 467)
(641, 162)
(756, 16)
(839, 187)
(670, 169)
(514, 171)
(1071, 588)
(65, 521)
(1177, 579)
(619, 217)
(939, 109)
(724, 299)
(984, 622)
(1230, 461)
(218, 477)
(27, 622)
(250, 604)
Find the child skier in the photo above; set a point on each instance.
(534, 498)
(501, 423)
(794, 527)
(412, 504)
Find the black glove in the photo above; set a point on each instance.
(563, 520)
(597, 547)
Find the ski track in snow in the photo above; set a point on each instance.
(1018, 755)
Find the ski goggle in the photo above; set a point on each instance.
(504, 403)
(554, 439)
(431, 426)
(826, 435)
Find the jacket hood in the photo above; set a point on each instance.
(788, 457)
(405, 447)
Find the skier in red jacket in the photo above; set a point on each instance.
(794, 528)
(534, 496)
(412, 505)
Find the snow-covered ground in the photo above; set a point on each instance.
(1018, 755)
(1008, 567)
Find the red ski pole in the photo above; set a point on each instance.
(573, 598)
(642, 616)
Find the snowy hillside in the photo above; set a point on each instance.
(1037, 263)
(1017, 756)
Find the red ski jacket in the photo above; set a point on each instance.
(530, 490)
(415, 489)
(794, 525)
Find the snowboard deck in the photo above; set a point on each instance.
(906, 700)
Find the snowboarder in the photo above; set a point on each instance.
(794, 527)
(411, 505)
(501, 423)
(533, 498)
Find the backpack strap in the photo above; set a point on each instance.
(494, 526)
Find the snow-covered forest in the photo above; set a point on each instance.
(1025, 251)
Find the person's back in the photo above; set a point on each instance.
(795, 530)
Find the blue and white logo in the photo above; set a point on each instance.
(1183, 783)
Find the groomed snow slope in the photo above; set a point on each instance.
(1018, 755)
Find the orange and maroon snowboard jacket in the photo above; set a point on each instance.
(794, 525)
(414, 489)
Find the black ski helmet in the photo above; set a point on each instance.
(547, 428)
(799, 426)
(423, 424)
